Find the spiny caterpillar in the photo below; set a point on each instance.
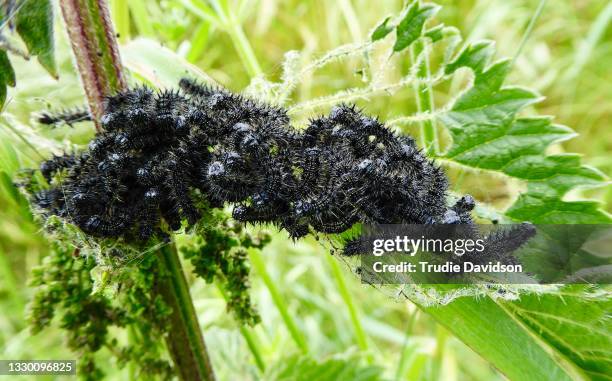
(67, 117)
(156, 149)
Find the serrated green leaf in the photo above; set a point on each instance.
(34, 23)
(382, 30)
(305, 368)
(557, 336)
(411, 26)
(487, 135)
(475, 56)
(581, 331)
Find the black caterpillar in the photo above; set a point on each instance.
(67, 117)
(156, 149)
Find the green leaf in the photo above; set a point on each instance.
(9, 188)
(382, 30)
(157, 64)
(436, 33)
(7, 76)
(564, 336)
(9, 159)
(411, 26)
(563, 253)
(34, 23)
(488, 135)
(474, 56)
(304, 368)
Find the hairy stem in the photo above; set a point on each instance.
(94, 45)
(184, 339)
(424, 97)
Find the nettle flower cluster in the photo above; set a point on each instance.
(159, 151)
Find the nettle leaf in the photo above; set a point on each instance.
(34, 23)
(487, 134)
(583, 335)
(474, 56)
(411, 26)
(7, 76)
(563, 336)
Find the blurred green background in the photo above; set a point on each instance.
(567, 58)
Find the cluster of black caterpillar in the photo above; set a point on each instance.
(157, 149)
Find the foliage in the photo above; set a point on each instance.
(487, 134)
(33, 21)
(65, 290)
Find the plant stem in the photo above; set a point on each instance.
(348, 300)
(185, 341)
(199, 42)
(244, 49)
(227, 19)
(132, 338)
(437, 361)
(247, 333)
(94, 45)
(424, 97)
(408, 349)
(260, 267)
(350, 17)
(253, 347)
(529, 29)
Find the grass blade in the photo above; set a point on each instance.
(348, 301)
(279, 302)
